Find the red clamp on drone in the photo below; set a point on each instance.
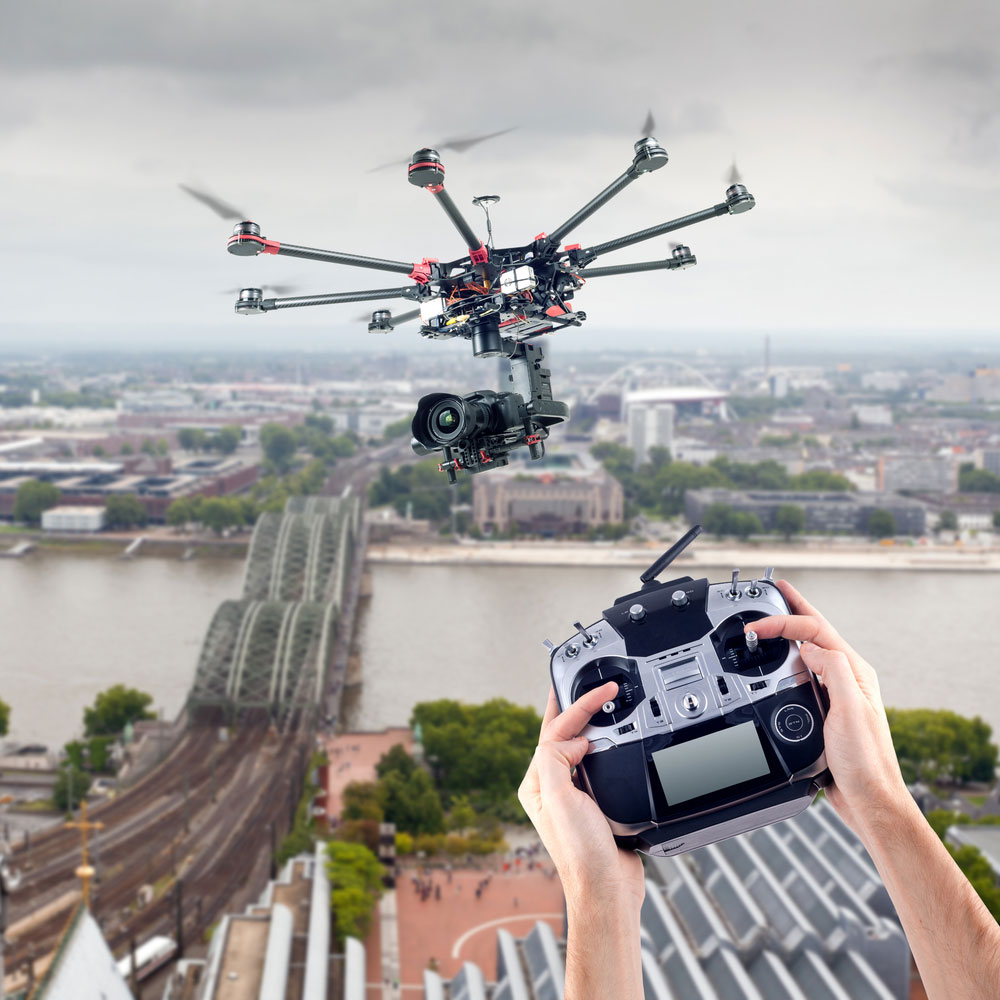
(246, 241)
(421, 272)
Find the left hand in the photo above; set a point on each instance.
(572, 827)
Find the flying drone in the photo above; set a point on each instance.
(499, 299)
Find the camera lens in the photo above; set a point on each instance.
(447, 419)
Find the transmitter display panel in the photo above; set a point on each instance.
(710, 763)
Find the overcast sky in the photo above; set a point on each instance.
(869, 133)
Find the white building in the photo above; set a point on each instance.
(650, 425)
(73, 519)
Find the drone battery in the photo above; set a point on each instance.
(518, 279)
(432, 308)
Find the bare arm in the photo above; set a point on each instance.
(954, 939)
(603, 885)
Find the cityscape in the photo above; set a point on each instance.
(379, 383)
(289, 763)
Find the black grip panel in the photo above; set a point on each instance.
(618, 781)
(664, 625)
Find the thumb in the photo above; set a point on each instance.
(556, 761)
(832, 668)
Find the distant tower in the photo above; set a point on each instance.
(767, 355)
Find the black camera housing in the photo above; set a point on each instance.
(479, 430)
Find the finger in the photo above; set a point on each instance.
(551, 711)
(796, 602)
(833, 668)
(567, 724)
(555, 765)
(805, 628)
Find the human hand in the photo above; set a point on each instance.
(573, 829)
(867, 783)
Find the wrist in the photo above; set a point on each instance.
(589, 899)
(885, 816)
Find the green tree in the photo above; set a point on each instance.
(219, 513)
(99, 451)
(397, 429)
(935, 744)
(977, 869)
(4, 717)
(162, 446)
(70, 788)
(461, 816)
(361, 800)
(33, 498)
(125, 512)
(228, 438)
(820, 481)
(481, 751)
(973, 480)
(183, 510)
(396, 759)
(355, 875)
(717, 519)
(881, 523)
(191, 438)
(278, 444)
(148, 446)
(113, 708)
(790, 519)
(411, 803)
(947, 521)
(126, 448)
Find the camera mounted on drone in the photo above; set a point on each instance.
(499, 299)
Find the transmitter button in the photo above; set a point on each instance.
(792, 723)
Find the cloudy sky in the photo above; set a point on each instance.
(869, 133)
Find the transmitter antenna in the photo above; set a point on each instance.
(670, 555)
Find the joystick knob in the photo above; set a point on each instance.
(608, 707)
(751, 641)
(679, 599)
(637, 612)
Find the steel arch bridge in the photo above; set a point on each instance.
(642, 366)
(272, 648)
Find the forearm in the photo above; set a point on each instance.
(954, 939)
(603, 955)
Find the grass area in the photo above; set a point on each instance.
(977, 800)
(36, 806)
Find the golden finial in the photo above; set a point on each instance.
(86, 871)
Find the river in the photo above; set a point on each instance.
(73, 624)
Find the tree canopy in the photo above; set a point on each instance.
(355, 884)
(115, 707)
(420, 486)
(4, 717)
(881, 523)
(33, 498)
(125, 512)
(935, 744)
(790, 519)
(480, 751)
(70, 788)
(279, 445)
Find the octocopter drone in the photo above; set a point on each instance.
(498, 299)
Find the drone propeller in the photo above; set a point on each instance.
(734, 177)
(649, 125)
(457, 145)
(221, 208)
(273, 289)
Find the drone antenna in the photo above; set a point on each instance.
(670, 555)
(484, 201)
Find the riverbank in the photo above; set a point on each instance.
(156, 541)
(703, 553)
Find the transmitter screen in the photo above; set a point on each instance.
(709, 763)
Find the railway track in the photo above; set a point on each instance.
(153, 837)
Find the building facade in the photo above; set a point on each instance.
(843, 512)
(650, 425)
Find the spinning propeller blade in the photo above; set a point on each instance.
(272, 289)
(456, 145)
(221, 208)
(649, 125)
(733, 176)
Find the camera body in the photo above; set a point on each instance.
(479, 430)
(712, 732)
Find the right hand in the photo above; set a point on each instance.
(867, 782)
